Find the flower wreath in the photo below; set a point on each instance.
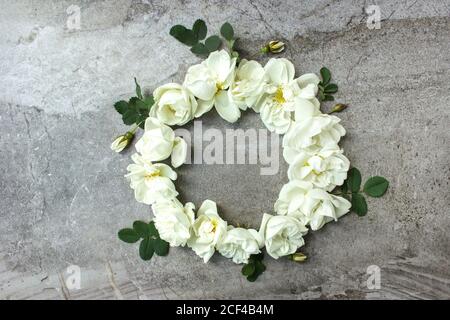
(287, 105)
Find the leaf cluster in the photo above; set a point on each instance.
(374, 187)
(151, 242)
(254, 268)
(136, 109)
(326, 89)
(197, 40)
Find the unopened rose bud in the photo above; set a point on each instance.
(298, 257)
(338, 108)
(122, 141)
(274, 47)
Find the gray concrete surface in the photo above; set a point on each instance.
(63, 195)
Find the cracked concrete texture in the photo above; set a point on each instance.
(63, 192)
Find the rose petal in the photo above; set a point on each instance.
(225, 106)
(179, 152)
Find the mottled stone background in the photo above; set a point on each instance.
(62, 192)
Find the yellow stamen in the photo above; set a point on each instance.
(278, 97)
(219, 86)
(214, 223)
(152, 175)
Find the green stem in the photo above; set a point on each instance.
(230, 45)
(136, 126)
(347, 193)
(255, 54)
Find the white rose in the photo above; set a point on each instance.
(325, 169)
(207, 231)
(311, 135)
(291, 198)
(174, 104)
(159, 142)
(209, 82)
(313, 207)
(240, 243)
(279, 119)
(276, 119)
(174, 221)
(151, 182)
(283, 235)
(321, 207)
(248, 85)
(306, 86)
(282, 94)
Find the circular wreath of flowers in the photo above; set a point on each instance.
(288, 106)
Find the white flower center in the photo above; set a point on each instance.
(210, 226)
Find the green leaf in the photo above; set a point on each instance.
(253, 277)
(128, 235)
(259, 266)
(354, 179)
(138, 89)
(141, 228)
(129, 117)
(254, 268)
(140, 121)
(141, 109)
(376, 186)
(183, 35)
(344, 187)
(149, 101)
(259, 269)
(146, 249)
(328, 97)
(359, 205)
(161, 247)
(200, 49)
(213, 43)
(321, 95)
(153, 232)
(259, 256)
(136, 110)
(121, 106)
(200, 29)
(227, 31)
(178, 32)
(331, 88)
(248, 269)
(326, 75)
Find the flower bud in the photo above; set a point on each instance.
(298, 257)
(273, 46)
(122, 141)
(339, 107)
